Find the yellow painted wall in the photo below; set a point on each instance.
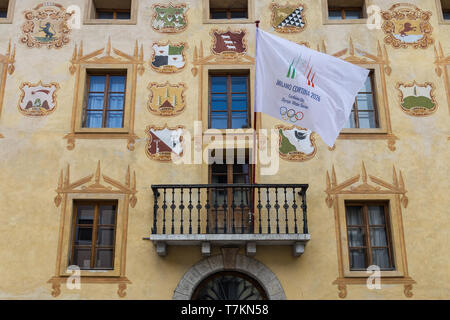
(33, 152)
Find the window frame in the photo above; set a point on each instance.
(230, 174)
(327, 21)
(108, 74)
(440, 13)
(374, 101)
(395, 227)
(94, 245)
(10, 13)
(229, 74)
(114, 12)
(381, 106)
(228, 12)
(120, 234)
(208, 20)
(343, 12)
(367, 246)
(83, 97)
(90, 16)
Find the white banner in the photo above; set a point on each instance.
(305, 87)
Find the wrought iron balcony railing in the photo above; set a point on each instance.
(205, 209)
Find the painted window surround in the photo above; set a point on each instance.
(89, 13)
(249, 20)
(366, 187)
(6, 68)
(102, 188)
(107, 59)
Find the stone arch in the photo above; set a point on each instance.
(208, 266)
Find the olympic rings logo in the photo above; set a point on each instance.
(291, 115)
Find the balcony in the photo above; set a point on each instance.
(247, 215)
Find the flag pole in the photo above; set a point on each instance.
(255, 119)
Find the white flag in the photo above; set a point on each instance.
(305, 87)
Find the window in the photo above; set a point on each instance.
(445, 4)
(94, 229)
(105, 100)
(230, 220)
(6, 10)
(111, 12)
(344, 11)
(222, 9)
(369, 239)
(364, 113)
(229, 101)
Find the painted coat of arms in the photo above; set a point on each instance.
(168, 58)
(38, 99)
(46, 25)
(166, 99)
(163, 142)
(288, 18)
(169, 18)
(406, 26)
(417, 99)
(228, 42)
(297, 144)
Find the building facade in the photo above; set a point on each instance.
(132, 122)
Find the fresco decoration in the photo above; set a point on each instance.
(163, 142)
(407, 26)
(417, 99)
(288, 18)
(46, 25)
(442, 68)
(166, 99)
(296, 143)
(168, 58)
(38, 99)
(228, 43)
(169, 18)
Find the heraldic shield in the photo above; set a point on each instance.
(46, 25)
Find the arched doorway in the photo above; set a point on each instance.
(229, 285)
(244, 271)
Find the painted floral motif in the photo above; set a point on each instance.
(46, 25)
(38, 99)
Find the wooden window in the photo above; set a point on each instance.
(364, 114)
(4, 5)
(345, 13)
(116, 14)
(369, 238)
(105, 100)
(229, 101)
(240, 197)
(93, 237)
(345, 9)
(112, 10)
(3, 12)
(445, 5)
(228, 9)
